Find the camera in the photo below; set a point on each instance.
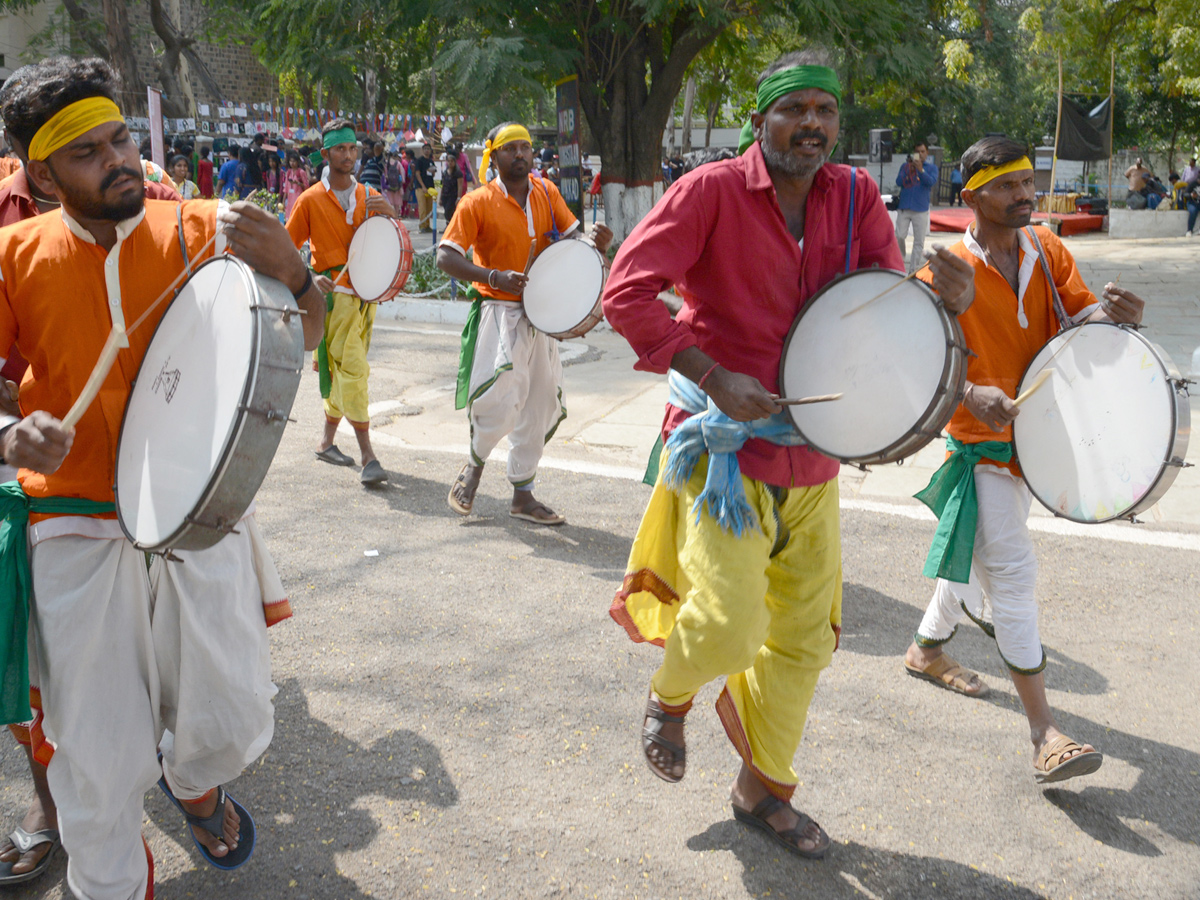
(912, 158)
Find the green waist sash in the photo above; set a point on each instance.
(466, 355)
(15, 586)
(952, 497)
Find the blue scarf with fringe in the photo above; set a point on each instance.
(711, 431)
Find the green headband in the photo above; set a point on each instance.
(340, 136)
(795, 78)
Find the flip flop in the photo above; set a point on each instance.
(25, 841)
(215, 825)
(538, 514)
(1054, 768)
(333, 455)
(463, 509)
(757, 818)
(373, 473)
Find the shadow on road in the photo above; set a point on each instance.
(878, 625)
(305, 794)
(850, 870)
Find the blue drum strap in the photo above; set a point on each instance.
(1064, 321)
(850, 226)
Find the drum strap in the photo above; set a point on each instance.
(554, 234)
(1064, 321)
(850, 224)
(15, 585)
(187, 264)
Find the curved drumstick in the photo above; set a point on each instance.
(800, 401)
(1037, 383)
(117, 338)
(892, 287)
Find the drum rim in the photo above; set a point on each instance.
(1141, 504)
(954, 338)
(396, 285)
(239, 420)
(596, 313)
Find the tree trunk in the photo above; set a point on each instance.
(371, 91)
(689, 106)
(432, 95)
(627, 111)
(710, 119)
(179, 100)
(671, 131)
(80, 17)
(123, 58)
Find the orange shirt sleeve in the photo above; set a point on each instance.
(464, 226)
(1076, 296)
(8, 318)
(298, 225)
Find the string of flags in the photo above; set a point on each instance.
(297, 123)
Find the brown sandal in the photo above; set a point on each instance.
(945, 672)
(1051, 767)
(757, 818)
(539, 514)
(651, 737)
(462, 507)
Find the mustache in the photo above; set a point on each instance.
(116, 174)
(1019, 207)
(810, 135)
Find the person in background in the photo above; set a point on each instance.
(273, 174)
(229, 178)
(371, 172)
(915, 179)
(464, 166)
(410, 197)
(453, 187)
(204, 173)
(956, 184)
(187, 188)
(426, 171)
(294, 183)
(393, 181)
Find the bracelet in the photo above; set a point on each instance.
(492, 272)
(308, 282)
(712, 368)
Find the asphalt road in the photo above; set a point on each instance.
(458, 716)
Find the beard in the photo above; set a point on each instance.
(782, 162)
(91, 205)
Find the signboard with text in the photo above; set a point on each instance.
(570, 169)
(157, 153)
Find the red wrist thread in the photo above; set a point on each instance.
(704, 377)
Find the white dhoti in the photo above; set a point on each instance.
(132, 662)
(516, 390)
(1003, 577)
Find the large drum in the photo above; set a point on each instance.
(208, 408)
(380, 259)
(900, 363)
(566, 282)
(1106, 434)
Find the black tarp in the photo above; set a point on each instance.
(1083, 135)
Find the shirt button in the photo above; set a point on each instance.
(108, 262)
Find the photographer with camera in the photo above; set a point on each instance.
(915, 179)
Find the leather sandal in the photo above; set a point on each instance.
(463, 506)
(757, 818)
(651, 737)
(1051, 767)
(946, 672)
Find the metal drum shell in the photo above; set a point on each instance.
(1180, 429)
(267, 397)
(941, 407)
(595, 316)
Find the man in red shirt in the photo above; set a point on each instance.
(749, 588)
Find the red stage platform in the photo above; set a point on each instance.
(957, 218)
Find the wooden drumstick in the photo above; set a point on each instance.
(117, 338)
(800, 401)
(862, 306)
(532, 257)
(1037, 383)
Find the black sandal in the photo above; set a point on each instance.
(757, 818)
(651, 738)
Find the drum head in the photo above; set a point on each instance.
(184, 407)
(1093, 439)
(888, 361)
(376, 254)
(564, 283)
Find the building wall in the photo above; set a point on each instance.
(16, 31)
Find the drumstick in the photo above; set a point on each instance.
(532, 256)
(117, 338)
(1037, 383)
(800, 401)
(345, 271)
(880, 294)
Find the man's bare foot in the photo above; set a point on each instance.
(36, 819)
(204, 808)
(932, 664)
(525, 506)
(748, 792)
(462, 492)
(662, 742)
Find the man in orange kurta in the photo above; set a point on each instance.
(1016, 311)
(131, 663)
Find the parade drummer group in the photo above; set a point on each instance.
(138, 677)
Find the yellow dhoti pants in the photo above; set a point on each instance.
(764, 609)
(347, 339)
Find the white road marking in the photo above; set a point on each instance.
(1122, 533)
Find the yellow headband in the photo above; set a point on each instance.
(70, 122)
(990, 173)
(507, 133)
